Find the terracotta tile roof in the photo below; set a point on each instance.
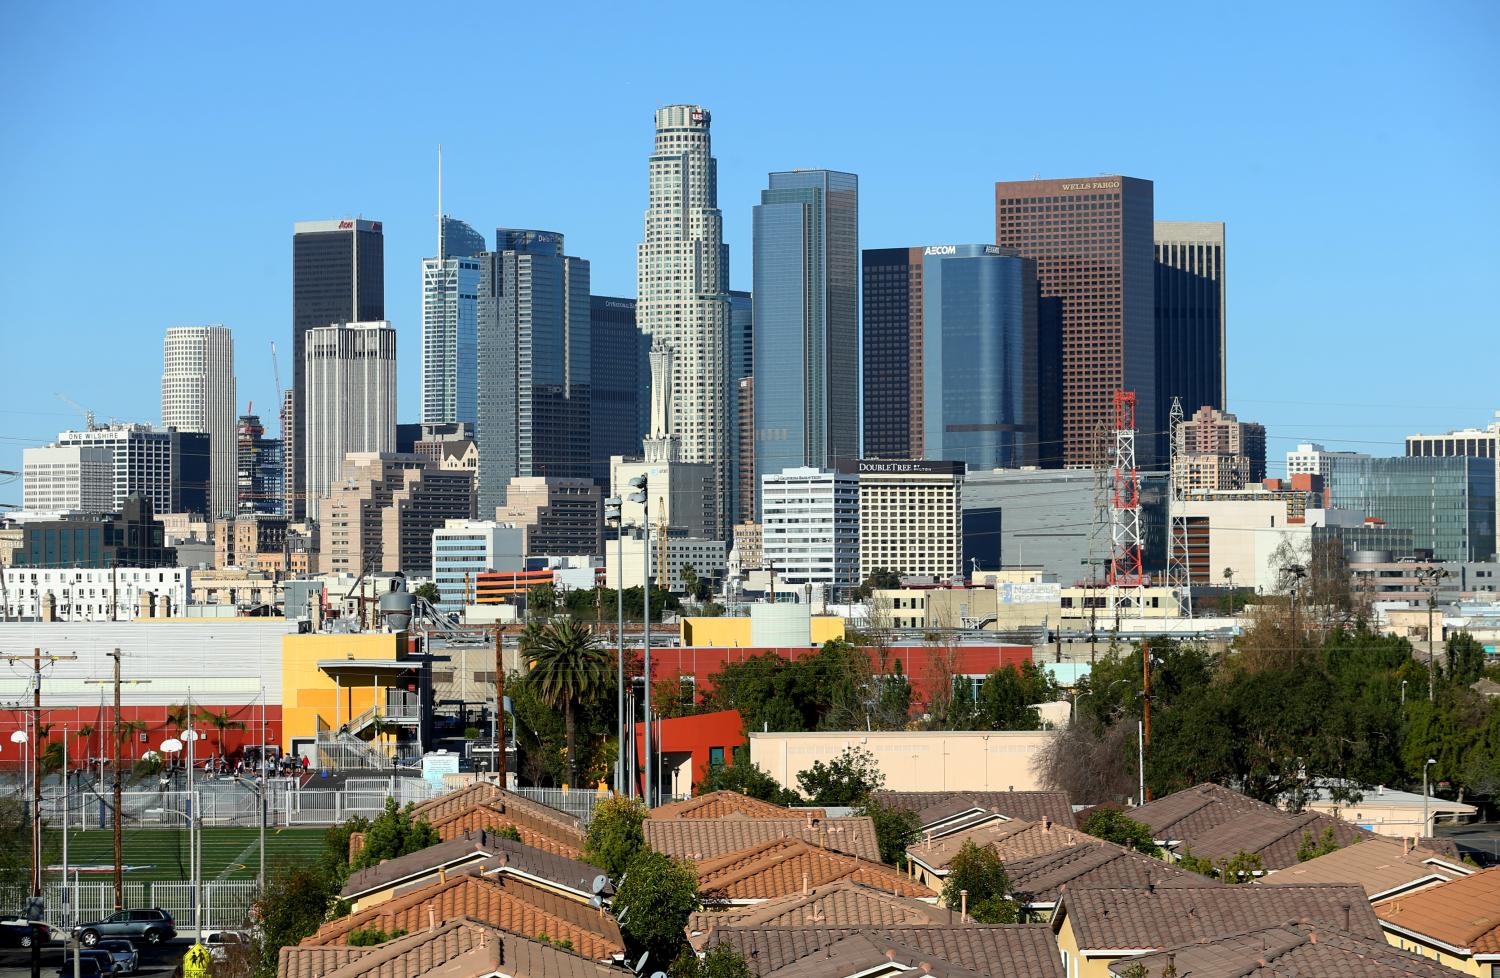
(1029, 805)
(998, 950)
(705, 838)
(1463, 913)
(1042, 879)
(1293, 951)
(722, 804)
(787, 866)
(503, 902)
(489, 793)
(1381, 865)
(841, 904)
(538, 833)
(1275, 836)
(857, 954)
(1136, 918)
(1192, 811)
(460, 948)
(1010, 840)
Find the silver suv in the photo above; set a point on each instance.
(153, 926)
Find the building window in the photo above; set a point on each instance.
(716, 757)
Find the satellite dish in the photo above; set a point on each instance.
(601, 882)
(658, 974)
(641, 964)
(596, 901)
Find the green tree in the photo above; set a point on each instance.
(653, 900)
(721, 961)
(572, 671)
(880, 579)
(846, 780)
(393, 833)
(428, 591)
(1113, 825)
(1465, 659)
(979, 872)
(541, 600)
(370, 936)
(15, 843)
(333, 860)
(1242, 867)
(694, 586)
(222, 722)
(746, 777)
(295, 901)
(1007, 699)
(1311, 848)
(615, 835)
(895, 829)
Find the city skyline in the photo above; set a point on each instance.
(1303, 177)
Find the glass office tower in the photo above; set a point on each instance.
(979, 363)
(806, 321)
(450, 287)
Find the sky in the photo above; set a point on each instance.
(153, 158)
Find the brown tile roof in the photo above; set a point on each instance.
(722, 804)
(538, 833)
(704, 838)
(1292, 951)
(1463, 913)
(489, 793)
(1029, 805)
(841, 904)
(787, 866)
(1010, 840)
(998, 950)
(1192, 811)
(503, 902)
(460, 948)
(1136, 918)
(1042, 879)
(1382, 866)
(470, 847)
(1275, 836)
(857, 954)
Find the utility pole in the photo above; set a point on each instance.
(119, 787)
(500, 772)
(1145, 711)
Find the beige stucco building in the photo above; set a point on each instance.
(940, 760)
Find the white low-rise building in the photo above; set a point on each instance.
(810, 522)
(706, 557)
(88, 594)
(464, 549)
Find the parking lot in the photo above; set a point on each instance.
(161, 960)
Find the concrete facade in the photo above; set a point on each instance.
(913, 761)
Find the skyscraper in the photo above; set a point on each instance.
(681, 285)
(1190, 318)
(338, 276)
(259, 470)
(619, 376)
(350, 399)
(450, 295)
(534, 363)
(892, 339)
(741, 405)
(1092, 241)
(198, 394)
(806, 315)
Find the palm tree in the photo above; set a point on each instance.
(571, 671)
(87, 732)
(221, 722)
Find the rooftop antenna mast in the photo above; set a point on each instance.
(1179, 561)
(1125, 570)
(440, 205)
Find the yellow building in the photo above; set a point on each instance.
(358, 683)
(736, 633)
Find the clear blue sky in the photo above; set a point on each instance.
(156, 155)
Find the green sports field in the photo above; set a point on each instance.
(162, 854)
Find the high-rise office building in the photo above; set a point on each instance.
(350, 397)
(534, 363)
(198, 394)
(681, 288)
(1092, 241)
(910, 517)
(1447, 502)
(741, 401)
(1190, 318)
(810, 528)
(806, 321)
(381, 511)
(892, 346)
(338, 276)
(1216, 450)
(450, 296)
(1470, 442)
(259, 470)
(618, 374)
(64, 479)
(170, 468)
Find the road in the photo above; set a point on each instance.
(163, 960)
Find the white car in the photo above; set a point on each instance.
(221, 942)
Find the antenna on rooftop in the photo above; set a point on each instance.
(440, 204)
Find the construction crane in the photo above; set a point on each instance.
(88, 416)
(276, 372)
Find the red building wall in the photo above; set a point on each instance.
(697, 735)
(925, 666)
(71, 718)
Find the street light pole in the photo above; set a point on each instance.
(1431, 576)
(1426, 828)
(613, 512)
(642, 495)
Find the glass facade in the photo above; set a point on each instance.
(1447, 503)
(806, 320)
(979, 362)
(620, 377)
(1190, 319)
(892, 347)
(450, 287)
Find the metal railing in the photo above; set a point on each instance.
(225, 903)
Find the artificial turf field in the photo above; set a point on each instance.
(162, 854)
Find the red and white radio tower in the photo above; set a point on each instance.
(1125, 505)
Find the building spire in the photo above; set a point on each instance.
(440, 205)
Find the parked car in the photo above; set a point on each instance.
(88, 967)
(153, 926)
(221, 942)
(127, 960)
(20, 932)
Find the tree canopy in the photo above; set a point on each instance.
(848, 779)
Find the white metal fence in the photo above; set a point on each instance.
(225, 903)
